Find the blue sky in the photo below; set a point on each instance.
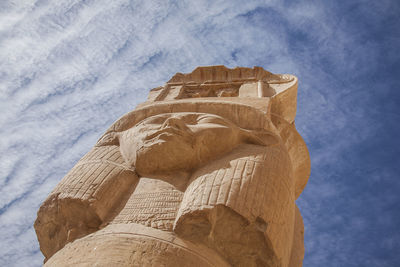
(68, 69)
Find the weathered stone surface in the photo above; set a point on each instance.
(204, 173)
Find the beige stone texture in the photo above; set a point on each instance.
(204, 173)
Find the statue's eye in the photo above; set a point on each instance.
(210, 119)
(155, 120)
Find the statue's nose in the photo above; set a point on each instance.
(175, 123)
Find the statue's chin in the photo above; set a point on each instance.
(173, 155)
(164, 158)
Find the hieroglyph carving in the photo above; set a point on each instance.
(204, 173)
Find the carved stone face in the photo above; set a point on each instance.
(174, 142)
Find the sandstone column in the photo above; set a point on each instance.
(204, 173)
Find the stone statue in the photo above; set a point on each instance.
(204, 173)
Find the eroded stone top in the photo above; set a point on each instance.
(220, 73)
(220, 81)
